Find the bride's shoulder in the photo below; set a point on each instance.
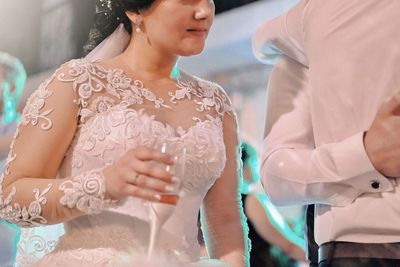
(80, 77)
(56, 76)
(78, 66)
(207, 88)
(81, 74)
(212, 93)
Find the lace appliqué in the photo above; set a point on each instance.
(32, 247)
(130, 92)
(22, 216)
(15, 214)
(121, 128)
(88, 78)
(32, 112)
(184, 90)
(102, 104)
(211, 95)
(205, 153)
(86, 192)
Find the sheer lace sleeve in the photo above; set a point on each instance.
(223, 221)
(29, 193)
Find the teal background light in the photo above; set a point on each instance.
(175, 73)
(12, 85)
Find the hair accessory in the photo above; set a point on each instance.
(104, 6)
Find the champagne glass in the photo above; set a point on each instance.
(159, 213)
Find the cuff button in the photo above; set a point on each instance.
(375, 184)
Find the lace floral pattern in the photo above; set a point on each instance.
(110, 125)
(185, 90)
(32, 246)
(15, 213)
(122, 128)
(211, 95)
(32, 112)
(89, 78)
(86, 192)
(206, 156)
(102, 104)
(23, 216)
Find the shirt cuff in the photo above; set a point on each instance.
(354, 165)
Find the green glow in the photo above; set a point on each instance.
(14, 78)
(272, 212)
(16, 235)
(279, 222)
(10, 113)
(175, 73)
(245, 225)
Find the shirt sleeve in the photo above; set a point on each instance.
(282, 35)
(294, 170)
(29, 193)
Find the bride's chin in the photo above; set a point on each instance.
(191, 52)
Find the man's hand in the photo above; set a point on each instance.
(382, 140)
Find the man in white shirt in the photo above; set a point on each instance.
(333, 124)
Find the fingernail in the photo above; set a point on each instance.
(169, 188)
(175, 179)
(158, 197)
(168, 168)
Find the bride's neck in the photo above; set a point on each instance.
(147, 61)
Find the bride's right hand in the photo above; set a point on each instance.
(141, 172)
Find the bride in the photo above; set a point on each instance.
(84, 153)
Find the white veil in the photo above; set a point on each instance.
(112, 46)
(36, 242)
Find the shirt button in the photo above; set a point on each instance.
(375, 184)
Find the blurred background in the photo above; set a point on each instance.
(43, 34)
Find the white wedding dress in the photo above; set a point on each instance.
(116, 113)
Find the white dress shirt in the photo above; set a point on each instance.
(337, 62)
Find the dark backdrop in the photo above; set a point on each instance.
(223, 5)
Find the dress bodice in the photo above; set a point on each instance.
(118, 113)
(106, 136)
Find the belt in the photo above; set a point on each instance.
(331, 250)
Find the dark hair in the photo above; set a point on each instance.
(108, 17)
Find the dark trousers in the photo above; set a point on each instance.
(333, 261)
(360, 262)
